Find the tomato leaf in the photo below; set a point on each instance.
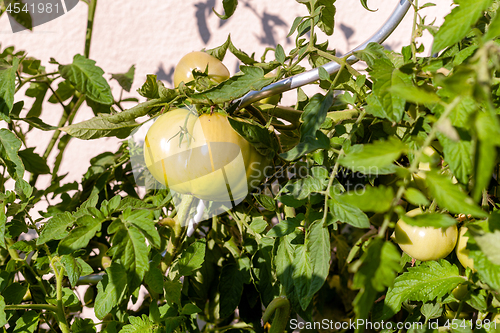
(234, 87)
(347, 213)
(311, 263)
(88, 79)
(229, 8)
(7, 87)
(375, 158)
(459, 22)
(458, 154)
(220, 51)
(430, 220)
(230, 289)
(312, 118)
(376, 270)
(139, 325)
(494, 27)
(326, 18)
(80, 236)
(129, 247)
(143, 219)
(33, 162)
(56, 228)
(3, 317)
(191, 259)
(110, 290)
(488, 272)
(257, 135)
(424, 283)
(286, 227)
(9, 148)
(415, 197)
(100, 126)
(451, 196)
(363, 198)
(125, 80)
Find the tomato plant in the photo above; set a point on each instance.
(411, 137)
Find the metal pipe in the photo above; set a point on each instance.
(332, 67)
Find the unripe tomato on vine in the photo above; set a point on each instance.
(202, 156)
(200, 61)
(425, 243)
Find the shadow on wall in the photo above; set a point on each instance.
(162, 75)
(270, 23)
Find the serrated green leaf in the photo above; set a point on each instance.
(33, 162)
(131, 249)
(257, 135)
(378, 267)
(430, 220)
(414, 94)
(7, 88)
(3, 317)
(230, 289)
(9, 148)
(220, 51)
(229, 8)
(80, 236)
(88, 79)
(415, 197)
(312, 118)
(173, 291)
(28, 322)
(458, 155)
(363, 198)
(125, 80)
(458, 23)
(111, 290)
(233, 88)
(37, 123)
(326, 19)
(140, 325)
(144, 220)
(347, 213)
(451, 196)
(56, 228)
(64, 91)
(72, 269)
(285, 227)
(311, 263)
(374, 158)
(191, 258)
(494, 27)
(424, 283)
(100, 126)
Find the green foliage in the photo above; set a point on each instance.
(344, 165)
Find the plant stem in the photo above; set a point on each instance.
(416, 160)
(90, 26)
(48, 307)
(60, 315)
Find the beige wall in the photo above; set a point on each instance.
(153, 35)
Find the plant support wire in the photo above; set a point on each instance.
(300, 80)
(332, 67)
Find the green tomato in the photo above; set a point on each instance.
(203, 156)
(200, 61)
(425, 243)
(462, 252)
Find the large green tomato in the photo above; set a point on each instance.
(425, 243)
(202, 156)
(462, 252)
(200, 61)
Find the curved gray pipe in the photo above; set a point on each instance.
(312, 75)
